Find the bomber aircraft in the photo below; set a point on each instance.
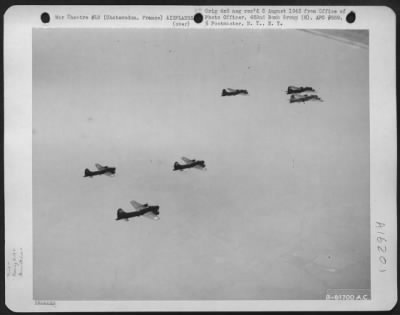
(294, 90)
(106, 170)
(304, 98)
(145, 210)
(231, 92)
(189, 164)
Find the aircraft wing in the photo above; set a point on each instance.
(230, 90)
(199, 167)
(316, 99)
(99, 167)
(151, 215)
(298, 97)
(109, 174)
(137, 205)
(186, 160)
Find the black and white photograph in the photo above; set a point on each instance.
(172, 164)
(252, 146)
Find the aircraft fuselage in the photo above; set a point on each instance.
(180, 167)
(126, 215)
(89, 173)
(305, 99)
(300, 90)
(236, 92)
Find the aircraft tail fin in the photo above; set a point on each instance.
(120, 214)
(176, 166)
(224, 92)
(87, 173)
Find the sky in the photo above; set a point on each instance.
(282, 211)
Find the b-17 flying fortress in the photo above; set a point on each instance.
(189, 164)
(304, 98)
(294, 89)
(153, 211)
(101, 170)
(232, 92)
(145, 210)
